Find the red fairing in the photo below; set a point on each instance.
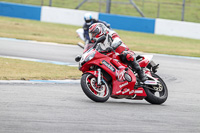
(139, 93)
(144, 63)
(116, 69)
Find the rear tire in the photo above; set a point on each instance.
(151, 94)
(90, 88)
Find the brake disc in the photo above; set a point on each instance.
(98, 89)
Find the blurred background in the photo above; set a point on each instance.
(184, 10)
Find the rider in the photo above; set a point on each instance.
(89, 20)
(112, 39)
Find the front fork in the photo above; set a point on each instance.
(99, 77)
(97, 73)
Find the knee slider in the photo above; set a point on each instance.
(129, 57)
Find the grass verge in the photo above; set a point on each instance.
(60, 33)
(13, 69)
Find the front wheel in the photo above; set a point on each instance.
(157, 94)
(94, 92)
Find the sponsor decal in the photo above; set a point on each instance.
(138, 91)
(121, 76)
(123, 85)
(118, 92)
(131, 92)
(108, 65)
(125, 91)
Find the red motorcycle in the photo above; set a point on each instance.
(104, 76)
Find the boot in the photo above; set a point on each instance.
(138, 69)
(142, 75)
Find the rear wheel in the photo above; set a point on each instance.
(94, 92)
(157, 94)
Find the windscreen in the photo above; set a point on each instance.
(88, 46)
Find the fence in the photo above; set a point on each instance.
(170, 9)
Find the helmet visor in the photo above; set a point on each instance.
(92, 35)
(88, 21)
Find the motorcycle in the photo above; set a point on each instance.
(105, 75)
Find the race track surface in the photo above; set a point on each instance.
(63, 108)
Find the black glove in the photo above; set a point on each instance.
(109, 49)
(93, 40)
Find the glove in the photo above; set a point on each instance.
(93, 40)
(109, 49)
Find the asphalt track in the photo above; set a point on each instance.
(63, 108)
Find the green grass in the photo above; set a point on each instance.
(35, 30)
(60, 33)
(12, 69)
(169, 9)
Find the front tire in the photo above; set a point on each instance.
(159, 96)
(94, 92)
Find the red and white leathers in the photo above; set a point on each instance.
(113, 40)
(116, 42)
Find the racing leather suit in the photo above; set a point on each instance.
(126, 55)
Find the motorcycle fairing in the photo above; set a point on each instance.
(119, 85)
(145, 61)
(137, 94)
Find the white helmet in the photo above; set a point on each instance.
(97, 30)
(88, 18)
